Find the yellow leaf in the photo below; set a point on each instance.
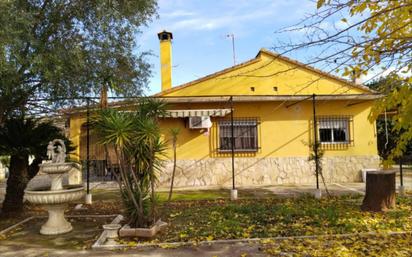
(320, 3)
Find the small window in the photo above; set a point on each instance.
(252, 89)
(244, 134)
(275, 89)
(334, 130)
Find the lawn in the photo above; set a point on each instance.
(378, 245)
(207, 215)
(273, 217)
(178, 195)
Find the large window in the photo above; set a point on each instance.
(334, 130)
(244, 134)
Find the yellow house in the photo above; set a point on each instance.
(272, 99)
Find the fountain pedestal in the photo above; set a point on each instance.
(56, 181)
(57, 223)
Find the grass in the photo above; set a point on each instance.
(377, 245)
(209, 215)
(178, 195)
(272, 217)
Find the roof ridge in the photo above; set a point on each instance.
(327, 74)
(211, 75)
(257, 58)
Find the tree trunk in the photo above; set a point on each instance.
(173, 172)
(16, 184)
(380, 191)
(34, 167)
(152, 187)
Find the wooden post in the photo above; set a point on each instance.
(380, 191)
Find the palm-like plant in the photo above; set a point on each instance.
(136, 140)
(20, 138)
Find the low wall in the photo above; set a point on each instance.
(265, 171)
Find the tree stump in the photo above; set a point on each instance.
(380, 191)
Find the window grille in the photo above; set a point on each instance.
(335, 132)
(245, 135)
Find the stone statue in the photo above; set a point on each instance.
(50, 150)
(56, 151)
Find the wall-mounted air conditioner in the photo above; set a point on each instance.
(200, 122)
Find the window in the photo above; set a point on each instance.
(334, 130)
(244, 133)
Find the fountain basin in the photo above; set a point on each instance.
(58, 168)
(56, 172)
(55, 202)
(41, 196)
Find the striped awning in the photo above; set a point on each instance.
(196, 113)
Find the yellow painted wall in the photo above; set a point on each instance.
(76, 122)
(283, 131)
(264, 74)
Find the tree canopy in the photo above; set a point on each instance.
(388, 135)
(67, 49)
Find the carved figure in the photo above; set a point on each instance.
(57, 151)
(50, 150)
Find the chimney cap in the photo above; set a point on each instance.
(164, 35)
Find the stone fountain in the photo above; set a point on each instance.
(56, 198)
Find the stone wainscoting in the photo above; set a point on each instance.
(265, 171)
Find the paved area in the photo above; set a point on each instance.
(221, 250)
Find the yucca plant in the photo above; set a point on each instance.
(136, 140)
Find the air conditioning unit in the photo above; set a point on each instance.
(199, 122)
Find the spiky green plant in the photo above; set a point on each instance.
(136, 139)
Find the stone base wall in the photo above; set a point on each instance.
(265, 171)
